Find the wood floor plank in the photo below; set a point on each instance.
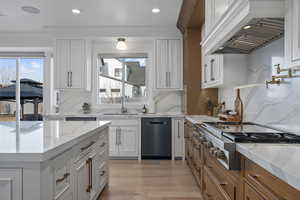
(150, 180)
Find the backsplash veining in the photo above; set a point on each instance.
(164, 102)
(277, 105)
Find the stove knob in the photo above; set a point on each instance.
(220, 155)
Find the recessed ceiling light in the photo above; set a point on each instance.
(76, 11)
(247, 27)
(155, 10)
(221, 48)
(31, 9)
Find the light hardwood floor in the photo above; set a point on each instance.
(157, 180)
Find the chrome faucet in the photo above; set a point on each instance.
(123, 108)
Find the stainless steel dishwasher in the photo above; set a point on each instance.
(156, 138)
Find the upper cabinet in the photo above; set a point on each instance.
(223, 70)
(292, 33)
(168, 73)
(72, 64)
(214, 9)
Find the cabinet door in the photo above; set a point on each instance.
(10, 184)
(174, 64)
(62, 64)
(296, 30)
(94, 175)
(178, 134)
(162, 67)
(251, 194)
(220, 7)
(77, 64)
(81, 178)
(128, 144)
(113, 141)
(209, 16)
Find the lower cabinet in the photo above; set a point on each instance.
(11, 184)
(252, 182)
(123, 139)
(178, 135)
(251, 194)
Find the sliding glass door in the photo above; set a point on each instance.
(21, 88)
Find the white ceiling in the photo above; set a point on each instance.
(95, 14)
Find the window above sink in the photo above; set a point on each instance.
(122, 77)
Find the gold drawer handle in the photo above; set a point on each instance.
(87, 146)
(102, 173)
(66, 175)
(103, 144)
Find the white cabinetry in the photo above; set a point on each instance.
(72, 64)
(124, 140)
(223, 70)
(178, 138)
(168, 64)
(292, 33)
(11, 184)
(214, 9)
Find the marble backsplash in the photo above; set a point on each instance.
(159, 102)
(277, 105)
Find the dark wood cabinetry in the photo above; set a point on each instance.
(252, 182)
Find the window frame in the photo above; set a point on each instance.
(99, 49)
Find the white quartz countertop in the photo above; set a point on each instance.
(196, 119)
(281, 160)
(104, 116)
(39, 141)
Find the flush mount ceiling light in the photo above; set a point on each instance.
(247, 27)
(76, 11)
(31, 9)
(156, 10)
(121, 44)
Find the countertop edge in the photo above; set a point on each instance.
(271, 168)
(51, 153)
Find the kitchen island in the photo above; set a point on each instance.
(53, 160)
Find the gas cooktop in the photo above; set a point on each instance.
(250, 132)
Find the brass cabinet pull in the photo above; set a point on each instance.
(102, 173)
(71, 81)
(87, 146)
(89, 162)
(103, 144)
(178, 129)
(212, 69)
(65, 176)
(68, 79)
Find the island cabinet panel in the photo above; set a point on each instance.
(11, 184)
(267, 185)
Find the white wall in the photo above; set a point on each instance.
(277, 105)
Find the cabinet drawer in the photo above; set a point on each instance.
(102, 172)
(211, 189)
(86, 146)
(270, 186)
(102, 143)
(62, 175)
(222, 178)
(11, 184)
